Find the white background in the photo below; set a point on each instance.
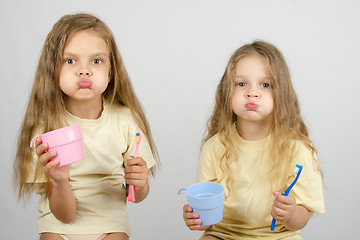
(176, 53)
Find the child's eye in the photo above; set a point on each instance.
(97, 61)
(265, 85)
(69, 61)
(241, 84)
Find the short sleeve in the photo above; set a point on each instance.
(308, 191)
(206, 169)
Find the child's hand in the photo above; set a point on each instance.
(285, 210)
(192, 220)
(57, 174)
(137, 174)
(283, 207)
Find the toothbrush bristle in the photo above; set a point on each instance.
(137, 137)
(297, 168)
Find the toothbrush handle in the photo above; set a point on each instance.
(273, 224)
(136, 150)
(287, 191)
(131, 196)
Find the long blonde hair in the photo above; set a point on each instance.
(286, 124)
(46, 104)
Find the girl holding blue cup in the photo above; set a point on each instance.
(255, 138)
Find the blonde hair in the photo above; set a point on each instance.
(46, 104)
(286, 122)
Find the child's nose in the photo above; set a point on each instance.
(252, 94)
(84, 72)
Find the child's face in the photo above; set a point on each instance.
(84, 75)
(252, 99)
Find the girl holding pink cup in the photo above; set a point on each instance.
(83, 107)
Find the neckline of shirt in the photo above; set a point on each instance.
(236, 136)
(72, 119)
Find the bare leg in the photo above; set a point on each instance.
(50, 236)
(116, 236)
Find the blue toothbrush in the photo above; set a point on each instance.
(298, 170)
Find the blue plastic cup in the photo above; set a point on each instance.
(207, 199)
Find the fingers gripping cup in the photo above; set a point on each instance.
(68, 143)
(207, 199)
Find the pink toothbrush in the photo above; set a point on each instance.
(131, 195)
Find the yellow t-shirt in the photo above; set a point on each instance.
(247, 209)
(97, 180)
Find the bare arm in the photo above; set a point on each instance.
(298, 219)
(61, 199)
(62, 202)
(141, 195)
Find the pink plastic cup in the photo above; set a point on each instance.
(68, 143)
